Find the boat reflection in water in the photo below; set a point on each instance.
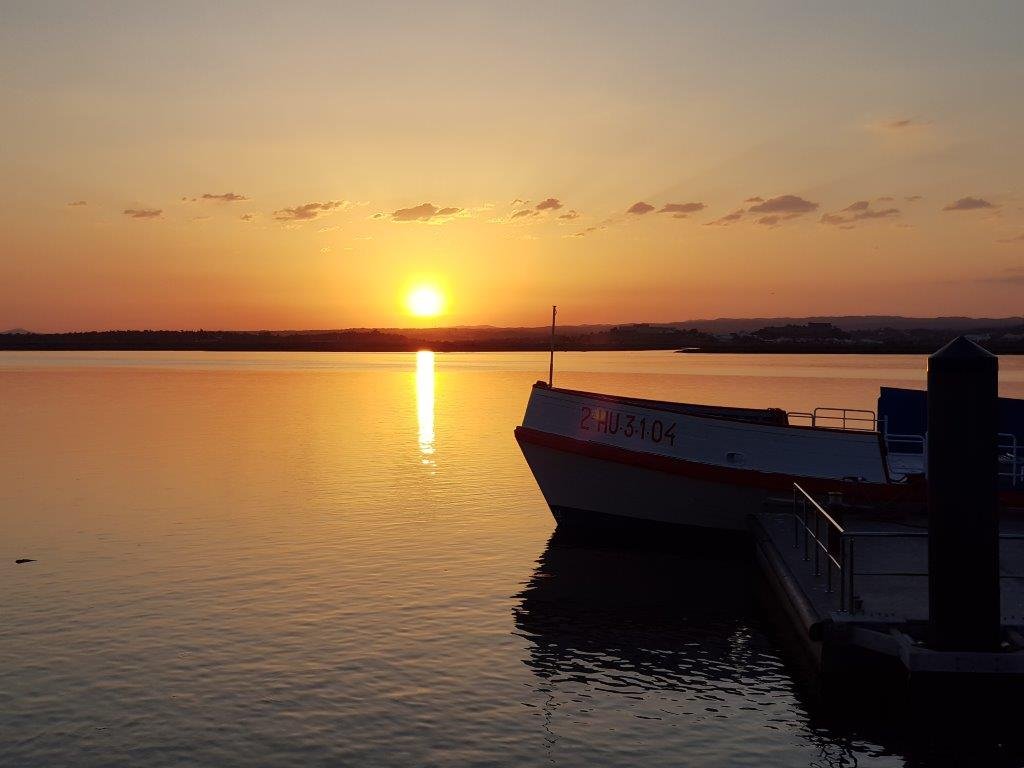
(633, 636)
(425, 403)
(673, 633)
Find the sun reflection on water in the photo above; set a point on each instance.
(425, 402)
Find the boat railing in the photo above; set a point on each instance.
(856, 419)
(1011, 452)
(828, 544)
(1011, 463)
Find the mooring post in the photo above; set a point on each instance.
(963, 511)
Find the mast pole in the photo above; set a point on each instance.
(551, 361)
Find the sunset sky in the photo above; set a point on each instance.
(298, 165)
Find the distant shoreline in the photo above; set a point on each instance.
(811, 337)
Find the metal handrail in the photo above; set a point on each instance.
(1016, 469)
(858, 419)
(844, 415)
(817, 541)
(819, 546)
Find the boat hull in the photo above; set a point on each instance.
(585, 489)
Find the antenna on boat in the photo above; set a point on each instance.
(551, 362)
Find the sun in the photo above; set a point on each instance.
(425, 301)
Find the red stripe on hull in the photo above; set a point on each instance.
(852, 490)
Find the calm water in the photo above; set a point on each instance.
(342, 559)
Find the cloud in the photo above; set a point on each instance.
(551, 204)
(248, 217)
(569, 216)
(884, 199)
(968, 204)
(200, 218)
(729, 218)
(584, 232)
(681, 210)
(913, 198)
(885, 213)
(1013, 239)
(423, 212)
(793, 204)
(143, 213)
(769, 221)
(77, 203)
(901, 125)
(754, 199)
(522, 213)
(640, 208)
(308, 211)
(227, 197)
(1009, 275)
(858, 211)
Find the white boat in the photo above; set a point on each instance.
(602, 459)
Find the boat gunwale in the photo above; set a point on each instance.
(659, 405)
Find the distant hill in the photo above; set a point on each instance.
(851, 323)
(865, 334)
(15, 331)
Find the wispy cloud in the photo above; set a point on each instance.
(913, 198)
(858, 211)
(226, 197)
(968, 204)
(424, 212)
(143, 213)
(640, 208)
(729, 218)
(769, 221)
(248, 217)
(308, 211)
(900, 124)
(524, 213)
(755, 199)
(682, 210)
(77, 203)
(1019, 238)
(785, 204)
(1008, 276)
(551, 204)
(570, 215)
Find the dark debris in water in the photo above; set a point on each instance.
(21, 560)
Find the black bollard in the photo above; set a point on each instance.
(963, 504)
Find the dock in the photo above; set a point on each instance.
(864, 592)
(939, 595)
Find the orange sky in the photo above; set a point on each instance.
(305, 166)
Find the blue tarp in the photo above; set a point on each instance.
(905, 412)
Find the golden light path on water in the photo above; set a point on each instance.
(425, 402)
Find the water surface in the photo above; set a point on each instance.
(342, 559)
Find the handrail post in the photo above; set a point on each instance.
(796, 522)
(843, 548)
(852, 596)
(817, 544)
(806, 530)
